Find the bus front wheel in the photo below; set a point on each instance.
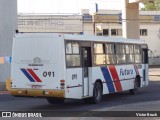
(55, 100)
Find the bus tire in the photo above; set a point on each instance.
(55, 100)
(135, 89)
(97, 93)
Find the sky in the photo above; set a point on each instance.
(64, 6)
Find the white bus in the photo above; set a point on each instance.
(57, 66)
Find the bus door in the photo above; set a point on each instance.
(86, 63)
(145, 68)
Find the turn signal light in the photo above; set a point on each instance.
(62, 84)
(62, 80)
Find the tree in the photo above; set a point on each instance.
(157, 4)
(151, 6)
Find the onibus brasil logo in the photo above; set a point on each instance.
(21, 114)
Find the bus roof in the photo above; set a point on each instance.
(83, 37)
(102, 39)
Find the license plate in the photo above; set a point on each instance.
(36, 86)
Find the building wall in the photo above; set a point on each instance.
(110, 27)
(50, 23)
(153, 41)
(152, 38)
(88, 28)
(8, 25)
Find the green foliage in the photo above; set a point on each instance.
(151, 6)
(157, 4)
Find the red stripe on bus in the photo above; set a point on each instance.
(34, 75)
(115, 78)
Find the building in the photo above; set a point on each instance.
(102, 23)
(8, 25)
(109, 23)
(50, 23)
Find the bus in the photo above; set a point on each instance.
(61, 66)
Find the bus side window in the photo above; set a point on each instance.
(75, 48)
(110, 54)
(120, 53)
(137, 53)
(129, 54)
(72, 54)
(69, 48)
(99, 54)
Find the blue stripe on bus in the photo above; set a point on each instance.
(27, 75)
(108, 79)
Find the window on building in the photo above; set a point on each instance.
(105, 32)
(87, 18)
(116, 32)
(99, 54)
(99, 34)
(72, 54)
(113, 32)
(143, 32)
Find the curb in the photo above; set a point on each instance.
(4, 92)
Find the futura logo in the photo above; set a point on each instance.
(126, 71)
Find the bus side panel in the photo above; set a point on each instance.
(139, 68)
(126, 74)
(147, 78)
(98, 75)
(74, 83)
(143, 72)
(127, 84)
(114, 78)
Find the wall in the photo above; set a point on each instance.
(88, 28)
(50, 23)
(8, 24)
(152, 38)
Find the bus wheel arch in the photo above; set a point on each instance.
(138, 78)
(137, 84)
